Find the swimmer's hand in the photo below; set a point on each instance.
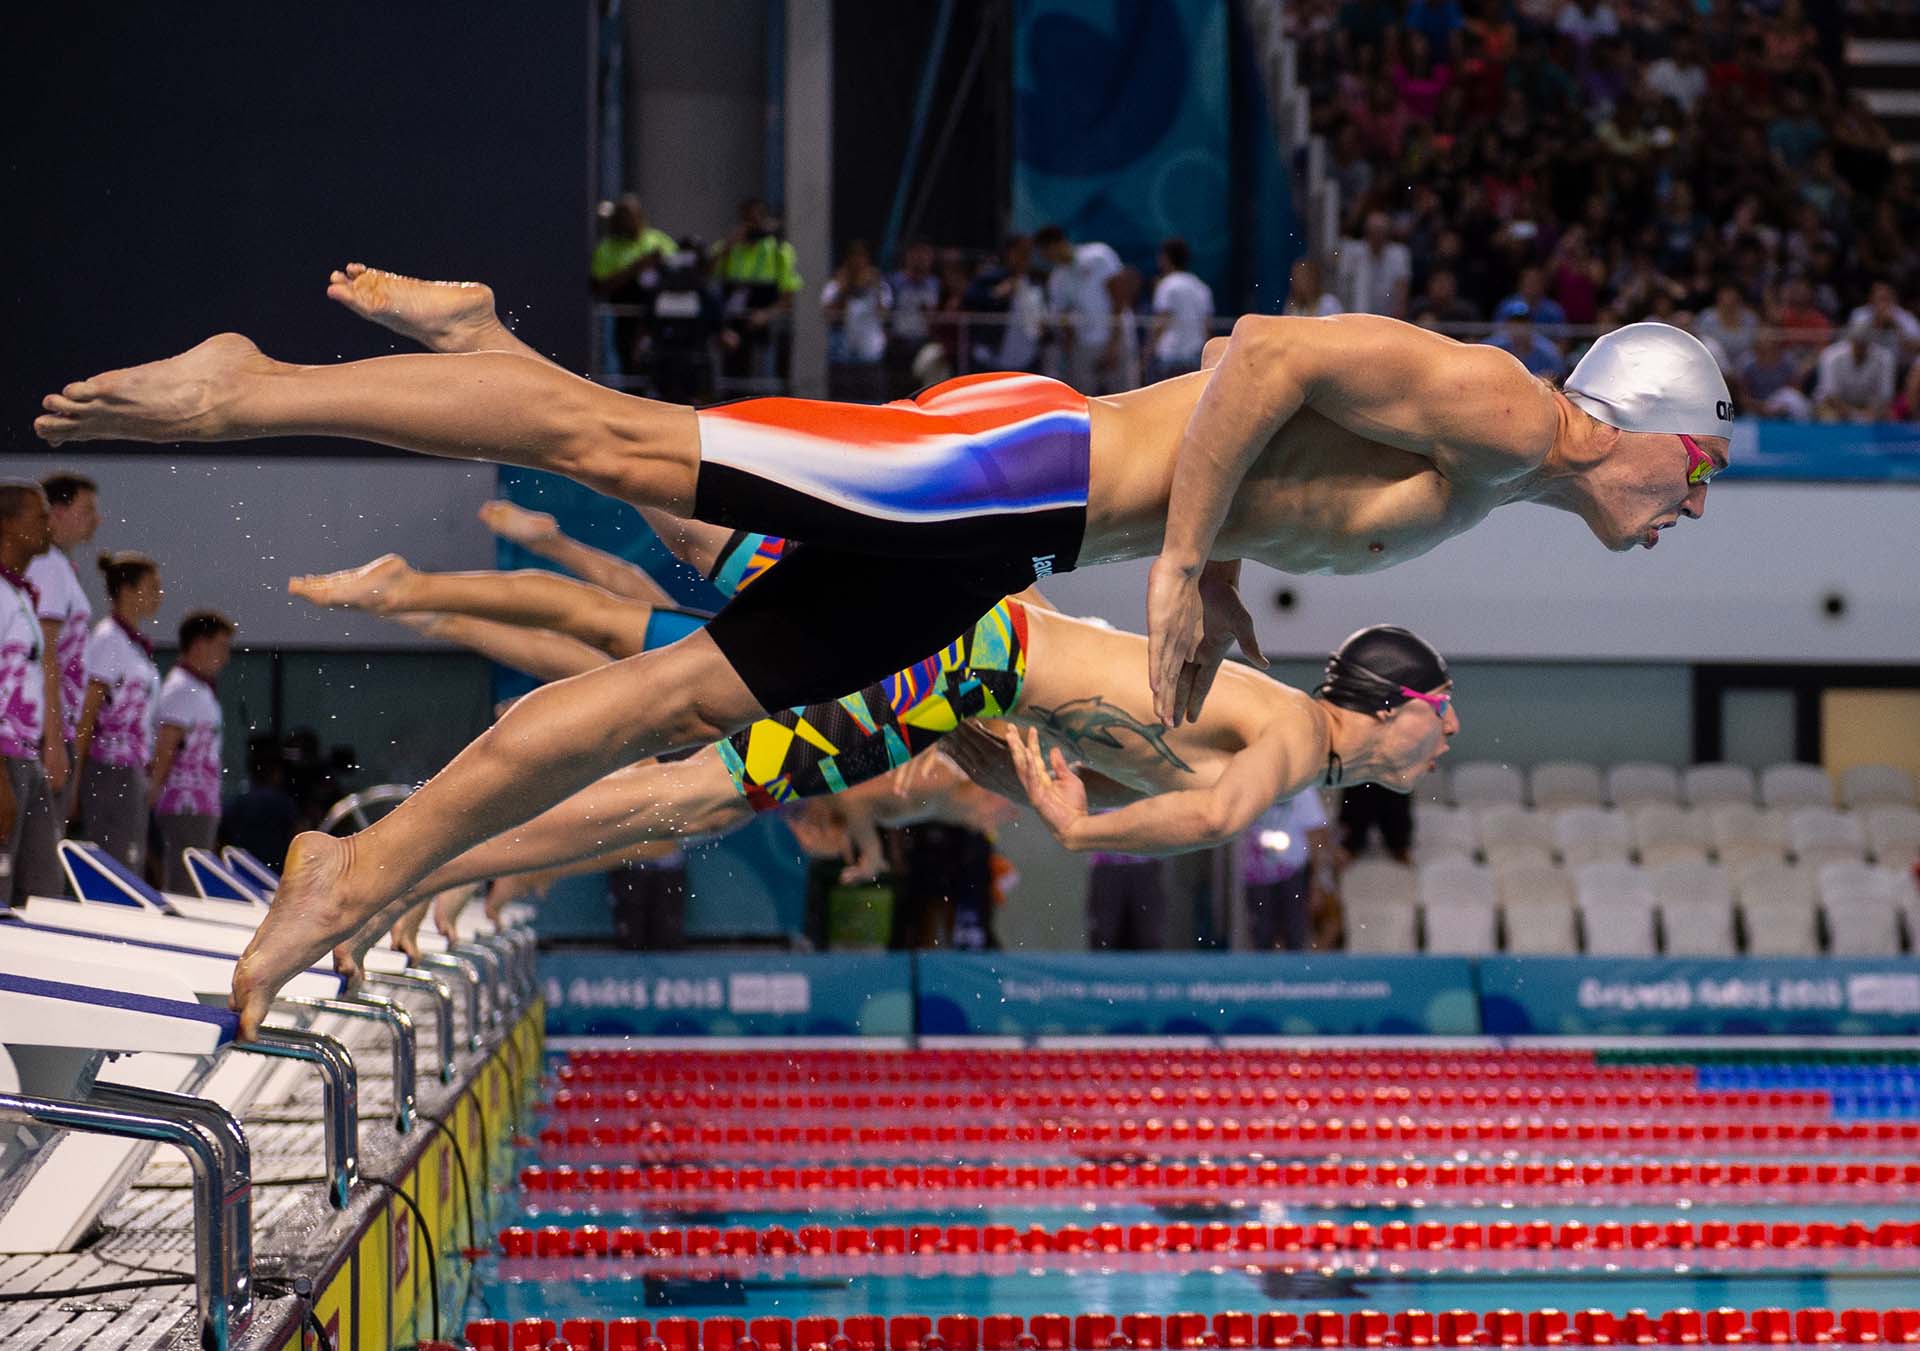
(986, 759)
(866, 856)
(1192, 623)
(1050, 783)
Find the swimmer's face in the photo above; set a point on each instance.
(1647, 481)
(1417, 735)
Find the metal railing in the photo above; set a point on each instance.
(222, 1183)
(973, 340)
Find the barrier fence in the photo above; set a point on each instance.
(1031, 995)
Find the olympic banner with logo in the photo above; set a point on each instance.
(1120, 126)
(735, 994)
(1751, 996)
(1216, 994)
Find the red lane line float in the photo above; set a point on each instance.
(1775, 1327)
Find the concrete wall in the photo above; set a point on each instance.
(228, 531)
(1746, 583)
(697, 123)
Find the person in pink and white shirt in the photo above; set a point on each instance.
(66, 614)
(28, 822)
(185, 784)
(114, 744)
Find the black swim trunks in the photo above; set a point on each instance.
(912, 520)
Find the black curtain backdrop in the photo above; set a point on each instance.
(173, 171)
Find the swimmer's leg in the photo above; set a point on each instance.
(601, 825)
(442, 316)
(556, 741)
(542, 655)
(493, 406)
(533, 599)
(450, 316)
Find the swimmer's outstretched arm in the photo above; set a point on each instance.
(986, 758)
(1470, 408)
(1271, 767)
(533, 599)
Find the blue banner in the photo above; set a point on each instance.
(1032, 994)
(1752, 996)
(1120, 126)
(735, 994)
(1825, 452)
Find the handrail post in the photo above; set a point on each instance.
(340, 1099)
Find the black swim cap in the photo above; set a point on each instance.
(1366, 672)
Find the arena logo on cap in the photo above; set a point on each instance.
(1723, 409)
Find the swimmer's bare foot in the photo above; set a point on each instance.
(504, 891)
(516, 524)
(444, 316)
(375, 587)
(347, 959)
(406, 934)
(313, 911)
(196, 396)
(446, 911)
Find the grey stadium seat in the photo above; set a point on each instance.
(1795, 786)
(1696, 909)
(1592, 835)
(1512, 835)
(1877, 786)
(1617, 909)
(1486, 783)
(1741, 831)
(1564, 783)
(1862, 907)
(1893, 835)
(1636, 781)
(1458, 904)
(1664, 832)
(1444, 832)
(1705, 785)
(1536, 906)
(1380, 901)
(1821, 835)
(1778, 913)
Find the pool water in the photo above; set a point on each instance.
(662, 1242)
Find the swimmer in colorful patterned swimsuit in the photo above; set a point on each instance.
(1344, 444)
(1088, 755)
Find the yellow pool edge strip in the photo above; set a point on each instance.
(368, 1301)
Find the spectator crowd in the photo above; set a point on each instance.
(692, 322)
(1527, 172)
(1540, 170)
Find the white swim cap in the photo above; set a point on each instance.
(1653, 378)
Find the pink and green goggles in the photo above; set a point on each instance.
(1701, 467)
(1439, 703)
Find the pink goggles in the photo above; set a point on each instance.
(1439, 703)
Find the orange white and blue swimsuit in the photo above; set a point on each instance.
(899, 525)
(831, 745)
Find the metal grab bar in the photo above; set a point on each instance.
(222, 1183)
(494, 978)
(340, 1099)
(507, 947)
(398, 1021)
(413, 978)
(469, 973)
